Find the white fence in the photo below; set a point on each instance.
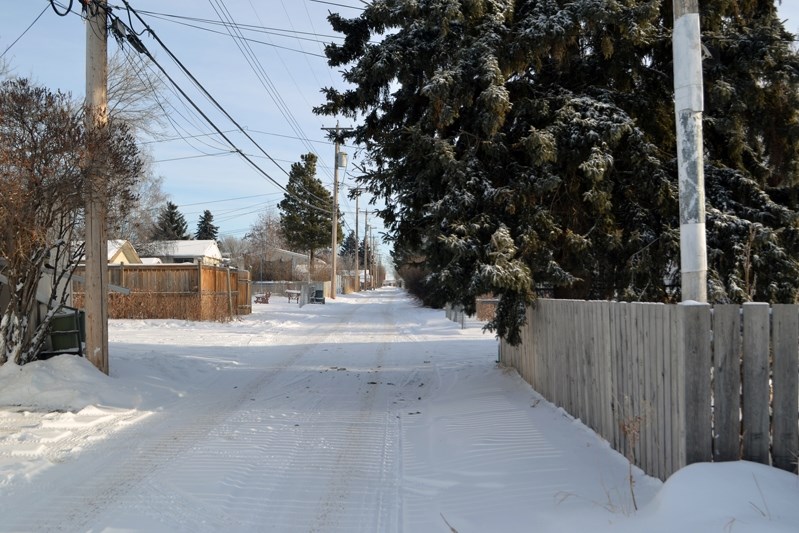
(669, 385)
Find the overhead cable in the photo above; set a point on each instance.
(219, 131)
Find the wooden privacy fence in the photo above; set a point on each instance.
(182, 291)
(670, 385)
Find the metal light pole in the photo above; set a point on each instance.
(689, 104)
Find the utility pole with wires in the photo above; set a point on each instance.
(96, 245)
(340, 161)
(365, 249)
(357, 194)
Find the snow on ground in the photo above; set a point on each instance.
(365, 414)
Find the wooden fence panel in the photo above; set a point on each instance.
(727, 382)
(185, 291)
(756, 382)
(244, 289)
(785, 430)
(662, 382)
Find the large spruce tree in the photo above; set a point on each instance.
(349, 247)
(529, 143)
(206, 229)
(171, 225)
(306, 209)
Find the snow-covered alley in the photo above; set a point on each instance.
(365, 414)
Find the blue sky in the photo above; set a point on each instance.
(275, 107)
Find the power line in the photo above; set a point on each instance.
(263, 77)
(28, 28)
(248, 27)
(266, 82)
(338, 5)
(139, 46)
(186, 157)
(184, 137)
(228, 199)
(209, 30)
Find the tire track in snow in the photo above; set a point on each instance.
(121, 464)
(360, 436)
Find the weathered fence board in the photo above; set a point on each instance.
(662, 383)
(727, 382)
(696, 363)
(785, 432)
(755, 380)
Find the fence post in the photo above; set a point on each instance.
(694, 361)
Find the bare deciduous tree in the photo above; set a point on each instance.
(44, 151)
(134, 94)
(265, 234)
(236, 249)
(134, 98)
(134, 220)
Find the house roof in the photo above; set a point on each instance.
(114, 245)
(117, 246)
(192, 248)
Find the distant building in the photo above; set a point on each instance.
(204, 252)
(121, 252)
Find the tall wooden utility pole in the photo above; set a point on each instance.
(688, 107)
(340, 161)
(365, 249)
(357, 272)
(96, 283)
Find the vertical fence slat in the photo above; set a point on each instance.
(756, 382)
(695, 374)
(669, 351)
(627, 371)
(642, 327)
(785, 430)
(649, 413)
(614, 369)
(660, 408)
(607, 372)
(586, 388)
(727, 382)
(569, 375)
(672, 377)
